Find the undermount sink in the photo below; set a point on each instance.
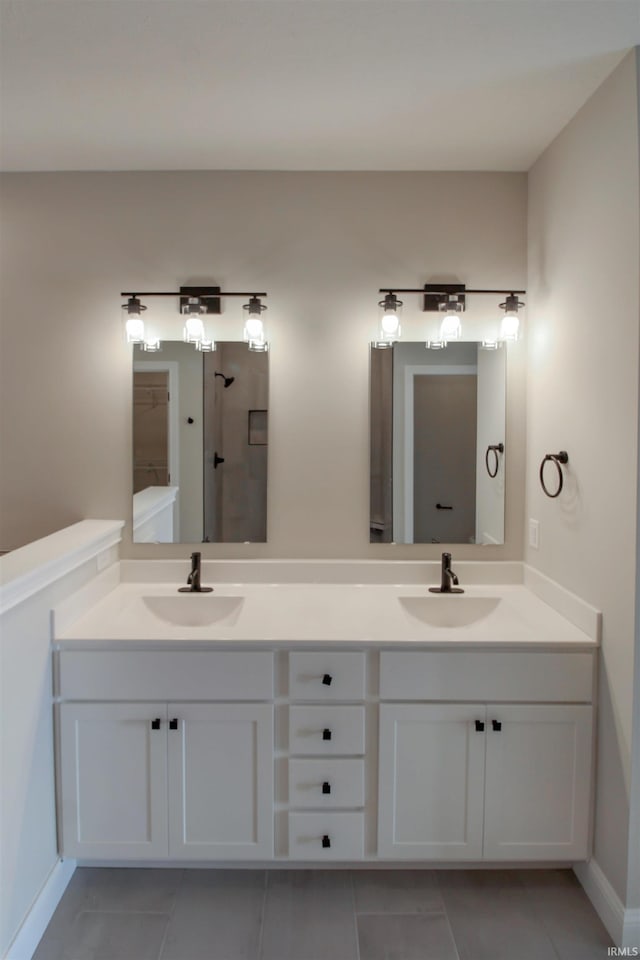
(194, 609)
(446, 610)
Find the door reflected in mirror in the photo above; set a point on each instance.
(200, 441)
(434, 414)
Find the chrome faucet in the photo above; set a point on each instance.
(193, 580)
(448, 579)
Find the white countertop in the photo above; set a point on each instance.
(285, 614)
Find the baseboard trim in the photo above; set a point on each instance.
(622, 925)
(25, 942)
(631, 933)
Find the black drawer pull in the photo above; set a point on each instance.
(155, 724)
(496, 725)
(173, 724)
(326, 842)
(326, 787)
(326, 734)
(327, 679)
(479, 726)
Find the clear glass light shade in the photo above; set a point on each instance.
(254, 334)
(510, 327)
(207, 346)
(489, 345)
(152, 345)
(435, 344)
(390, 313)
(134, 328)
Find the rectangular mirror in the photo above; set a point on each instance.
(200, 441)
(437, 420)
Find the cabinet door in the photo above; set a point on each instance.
(113, 780)
(220, 781)
(538, 774)
(431, 781)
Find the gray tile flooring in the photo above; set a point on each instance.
(132, 914)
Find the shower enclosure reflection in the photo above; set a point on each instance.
(200, 444)
(433, 414)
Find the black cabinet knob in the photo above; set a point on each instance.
(327, 679)
(496, 725)
(326, 734)
(479, 726)
(173, 724)
(326, 787)
(326, 842)
(155, 724)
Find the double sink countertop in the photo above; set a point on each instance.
(116, 613)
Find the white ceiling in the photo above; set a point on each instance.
(299, 84)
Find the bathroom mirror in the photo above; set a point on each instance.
(437, 420)
(200, 440)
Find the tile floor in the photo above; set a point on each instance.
(146, 914)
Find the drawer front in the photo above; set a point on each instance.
(326, 836)
(486, 675)
(326, 675)
(165, 675)
(326, 783)
(326, 730)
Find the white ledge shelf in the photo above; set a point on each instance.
(33, 567)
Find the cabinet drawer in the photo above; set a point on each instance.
(326, 675)
(165, 675)
(326, 783)
(486, 675)
(343, 835)
(326, 730)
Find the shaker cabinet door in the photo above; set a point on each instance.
(113, 776)
(431, 781)
(538, 775)
(220, 781)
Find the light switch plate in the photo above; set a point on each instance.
(534, 534)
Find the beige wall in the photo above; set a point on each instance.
(321, 245)
(582, 396)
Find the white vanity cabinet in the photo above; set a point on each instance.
(158, 779)
(492, 781)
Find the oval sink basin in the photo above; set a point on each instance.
(449, 611)
(194, 609)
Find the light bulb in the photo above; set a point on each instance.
(390, 322)
(450, 328)
(254, 327)
(135, 328)
(193, 328)
(510, 326)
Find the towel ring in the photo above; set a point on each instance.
(494, 448)
(558, 459)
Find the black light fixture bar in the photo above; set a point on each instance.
(435, 293)
(440, 290)
(206, 296)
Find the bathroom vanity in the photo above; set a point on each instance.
(323, 723)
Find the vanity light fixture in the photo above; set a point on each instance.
(254, 326)
(450, 300)
(510, 326)
(451, 328)
(196, 304)
(390, 310)
(134, 327)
